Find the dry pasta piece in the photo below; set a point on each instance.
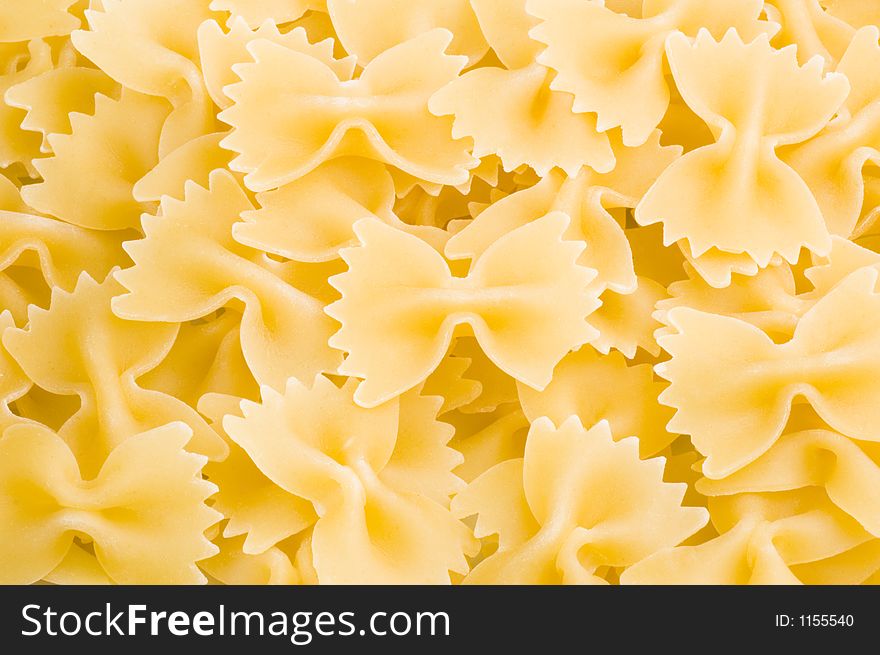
(506, 24)
(145, 509)
(62, 251)
(586, 197)
(762, 537)
(848, 471)
(828, 361)
(78, 347)
(136, 44)
(612, 58)
(448, 382)
(257, 12)
(401, 305)
(194, 161)
(718, 267)
(831, 163)
(487, 438)
(188, 266)
(597, 388)
(496, 386)
(366, 28)
(844, 258)
(219, 51)
(232, 566)
(515, 115)
(35, 19)
(206, 358)
(558, 515)
(291, 113)
(13, 381)
(625, 322)
(737, 195)
(363, 470)
(311, 219)
(857, 13)
(88, 181)
(858, 565)
(51, 97)
(20, 62)
(258, 510)
(807, 25)
(768, 299)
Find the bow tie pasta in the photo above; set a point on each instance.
(439, 292)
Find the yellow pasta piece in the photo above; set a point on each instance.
(613, 57)
(58, 351)
(366, 28)
(256, 12)
(35, 19)
(827, 361)
(807, 25)
(763, 536)
(382, 115)
(597, 388)
(51, 97)
(739, 183)
(117, 156)
(283, 331)
(20, 64)
(831, 163)
(537, 126)
(585, 197)
(399, 312)
(554, 523)
(388, 472)
(134, 43)
(145, 509)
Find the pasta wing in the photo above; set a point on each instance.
(145, 509)
(748, 182)
(368, 28)
(382, 115)
(59, 352)
(414, 304)
(88, 181)
(283, 332)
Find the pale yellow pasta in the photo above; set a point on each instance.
(747, 416)
(134, 43)
(150, 477)
(390, 470)
(831, 163)
(439, 292)
(100, 198)
(366, 28)
(715, 195)
(554, 524)
(57, 352)
(631, 52)
(283, 330)
(604, 388)
(806, 24)
(762, 537)
(422, 304)
(382, 115)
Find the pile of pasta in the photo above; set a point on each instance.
(440, 291)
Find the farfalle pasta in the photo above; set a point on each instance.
(382, 115)
(710, 195)
(302, 292)
(423, 303)
(559, 517)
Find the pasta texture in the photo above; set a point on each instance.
(532, 292)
